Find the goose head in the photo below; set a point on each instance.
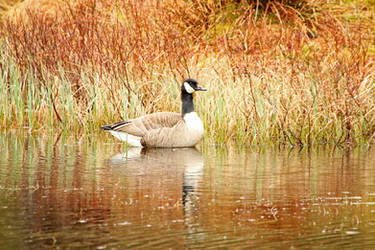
(190, 85)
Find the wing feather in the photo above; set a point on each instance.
(140, 126)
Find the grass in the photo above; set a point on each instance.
(293, 72)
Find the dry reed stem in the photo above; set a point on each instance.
(296, 73)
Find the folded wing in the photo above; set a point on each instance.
(142, 125)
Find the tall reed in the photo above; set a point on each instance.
(294, 73)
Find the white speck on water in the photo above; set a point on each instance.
(351, 232)
(82, 221)
(177, 221)
(125, 223)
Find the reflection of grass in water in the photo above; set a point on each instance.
(300, 74)
(31, 163)
(68, 191)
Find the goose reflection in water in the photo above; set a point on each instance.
(158, 162)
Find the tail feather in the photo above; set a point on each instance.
(106, 127)
(114, 125)
(132, 140)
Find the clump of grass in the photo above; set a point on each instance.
(293, 72)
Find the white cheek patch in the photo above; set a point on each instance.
(188, 88)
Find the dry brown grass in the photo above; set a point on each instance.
(296, 72)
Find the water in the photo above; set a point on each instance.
(58, 192)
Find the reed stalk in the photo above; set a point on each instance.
(294, 72)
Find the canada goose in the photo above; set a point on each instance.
(164, 129)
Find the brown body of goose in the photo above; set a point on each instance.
(164, 129)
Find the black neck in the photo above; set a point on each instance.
(187, 103)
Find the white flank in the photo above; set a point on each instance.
(188, 88)
(194, 123)
(132, 140)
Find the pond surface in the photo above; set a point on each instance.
(58, 192)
